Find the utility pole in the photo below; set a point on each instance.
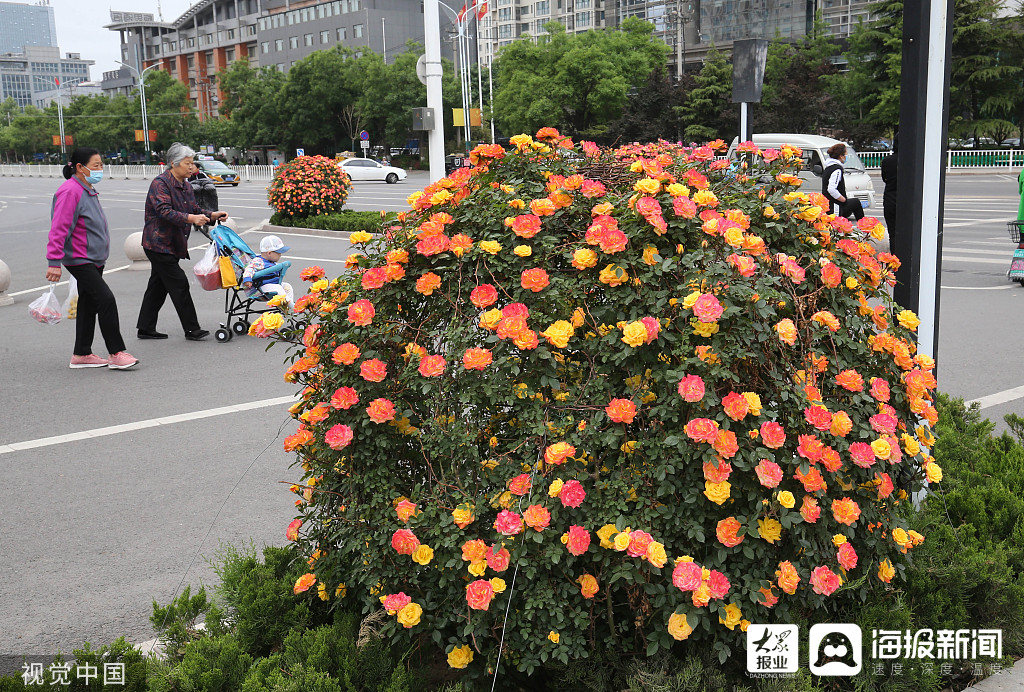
(432, 64)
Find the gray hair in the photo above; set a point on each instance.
(177, 152)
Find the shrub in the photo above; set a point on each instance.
(346, 220)
(309, 186)
(685, 362)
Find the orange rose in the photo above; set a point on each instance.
(404, 542)
(787, 577)
(786, 331)
(736, 406)
(535, 279)
(588, 585)
(373, 370)
(432, 366)
(621, 410)
(361, 313)
(405, 510)
(476, 358)
(845, 511)
(479, 594)
(484, 296)
(726, 532)
(381, 410)
(346, 354)
(303, 583)
(526, 225)
(702, 430)
(850, 380)
(542, 207)
(558, 453)
(537, 517)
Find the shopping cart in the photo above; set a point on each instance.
(1016, 272)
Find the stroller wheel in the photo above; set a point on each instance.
(241, 327)
(223, 335)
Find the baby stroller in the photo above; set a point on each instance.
(241, 304)
(204, 190)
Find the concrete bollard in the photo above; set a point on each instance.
(5, 283)
(134, 252)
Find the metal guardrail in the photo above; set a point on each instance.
(126, 172)
(961, 158)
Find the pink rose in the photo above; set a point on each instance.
(508, 523)
(572, 494)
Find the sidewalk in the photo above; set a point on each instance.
(1011, 680)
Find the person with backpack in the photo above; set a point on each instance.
(833, 184)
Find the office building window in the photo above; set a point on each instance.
(251, 51)
(279, 44)
(280, 67)
(357, 31)
(293, 41)
(265, 46)
(343, 33)
(308, 39)
(209, 39)
(191, 43)
(229, 54)
(544, 7)
(325, 36)
(353, 5)
(505, 14)
(583, 19)
(231, 34)
(252, 29)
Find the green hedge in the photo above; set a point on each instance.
(348, 220)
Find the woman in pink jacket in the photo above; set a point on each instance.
(80, 240)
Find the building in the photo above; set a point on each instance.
(36, 69)
(26, 25)
(212, 34)
(30, 61)
(42, 99)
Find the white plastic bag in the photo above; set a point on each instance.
(207, 270)
(71, 304)
(46, 308)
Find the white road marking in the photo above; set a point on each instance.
(976, 222)
(141, 425)
(998, 398)
(977, 288)
(314, 259)
(975, 260)
(979, 252)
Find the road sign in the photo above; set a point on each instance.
(300, 152)
(365, 144)
(365, 136)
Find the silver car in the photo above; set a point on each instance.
(368, 169)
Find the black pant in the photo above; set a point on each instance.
(167, 279)
(889, 212)
(851, 207)
(95, 300)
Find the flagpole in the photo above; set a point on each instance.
(479, 71)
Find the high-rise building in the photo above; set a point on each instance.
(23, 25)
(30, 61)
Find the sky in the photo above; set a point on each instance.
(80, 27)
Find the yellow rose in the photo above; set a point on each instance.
(411, 199)
(555, 488)
(516, 203)
(463, 515)
(423, 554)
(460, 656)
(885, 570)
(881, 448)
(360, 237)
(273, 321)
(553, 637)
(522, 250)
(578, 316)
(321, 285)
(754, 402)
(786, 499)
(498, 584)
(491, 247)
(605, 533)
(900, 536)
(717, 492)
(613, 275)
(649, 255)
(678, 190)
(521, 141)
(584, 258)
(690, 300)
(440, 197)
(705, 329)
(933, 472)
(852, 283)
(733, 615)
(734, 237)
(478, 567)
(634, 334)
(621, 541)
(656, 554)
(705, 198)
(908, 319)
(490, 319)
(628, 447)
(838, 540)
(505, 500)
(559, 333)
(769, 529)
(648, 186)
(678, 627)
(409, 616)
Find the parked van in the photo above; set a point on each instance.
(815, 148)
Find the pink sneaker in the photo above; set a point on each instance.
(122, 361)
(89, 361)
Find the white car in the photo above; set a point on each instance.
(368, 169)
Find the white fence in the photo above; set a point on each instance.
(961, 158)
(129, 172)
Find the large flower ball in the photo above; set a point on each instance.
(309, 186)
(643, 398)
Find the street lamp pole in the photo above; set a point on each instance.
(60, 118)
(142, 93)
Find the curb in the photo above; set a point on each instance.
(268, 227)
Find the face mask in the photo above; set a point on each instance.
(94, 177)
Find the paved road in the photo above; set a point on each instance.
(94, 527)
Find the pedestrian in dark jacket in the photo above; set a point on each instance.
(80, 240)
(171, 211)
(889, 196)
(833, 184)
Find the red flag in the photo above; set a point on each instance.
(56, 80)
(462, 13)
(483, 11)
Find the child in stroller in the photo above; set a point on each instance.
(262, 275)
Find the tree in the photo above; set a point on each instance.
(708, 112)
(875, 57)
(577, 82)
(390, 92)
(169, 109)
(651, 112)
(251, 98)
(31, 131)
